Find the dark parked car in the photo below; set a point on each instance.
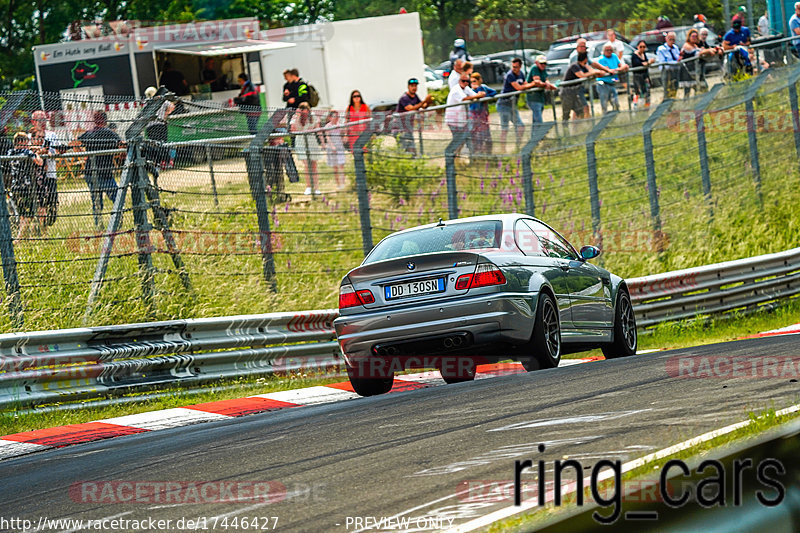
(491, 70)
(480, 289)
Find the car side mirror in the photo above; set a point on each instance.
(589, 252)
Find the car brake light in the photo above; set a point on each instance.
(348, 297)
(486, 274)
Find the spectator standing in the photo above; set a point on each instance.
(607, 85)
(459, 67)
(307, 145)
(295, 90)
(45, 142)
(408, 102)
(537, 75)
(641, 75)
(99, 171)
(669, 55)
(507, 107)
(690, 58)
(763, 24)
(23, 173)
(663, 22)
(570, 102)
(249, 102)
(334, 146)
(794, 28)
(459, 52)
(158, 131)
(739, 15)
(479, 116)
(356, 110)
(210, 76)
(619, 48)
(173, 80)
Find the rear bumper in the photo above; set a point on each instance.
(500, 318)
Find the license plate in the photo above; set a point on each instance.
(414, 288)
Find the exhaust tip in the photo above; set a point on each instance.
(448, 342)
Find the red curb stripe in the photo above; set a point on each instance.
(241, 406)
(73, 434)
(770, 334)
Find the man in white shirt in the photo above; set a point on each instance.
(456, 117)
(617, 45)
(763, 24)
(46, 143)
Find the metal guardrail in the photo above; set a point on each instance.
(77, 364)
(717, 288)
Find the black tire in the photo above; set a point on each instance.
(463, 373)
(370, 386)
(625, 337)
(545, 343)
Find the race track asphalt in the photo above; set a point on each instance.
(419, 454)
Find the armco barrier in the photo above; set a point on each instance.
(75, 364)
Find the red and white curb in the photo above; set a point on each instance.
(58, 437)
(794, 329)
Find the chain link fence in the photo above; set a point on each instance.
(116, 210)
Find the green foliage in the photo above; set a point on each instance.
(439, 96)
(396, 172)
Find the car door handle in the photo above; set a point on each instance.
(565, 268)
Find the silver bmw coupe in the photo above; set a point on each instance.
(463, 292)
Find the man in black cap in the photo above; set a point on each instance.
(410, 102)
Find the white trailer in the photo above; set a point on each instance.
(375, 55)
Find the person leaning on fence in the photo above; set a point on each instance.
(456, 117)
(23, 176)
(570, 101)
(707, 53)
(690, 58)
(513, 81)
(278, 161)
(537, 75)
(250, 103)
(607, 85)
(581, 45)
(356, 110)
(641, 75)
(669, 55)
(408, 103)
(307, 146)
(480, 135)
(45, 142)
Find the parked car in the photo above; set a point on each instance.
(557, 67)
(478, 289)
(590, 36)
(491, 70)
(528, 56)
(433, 80)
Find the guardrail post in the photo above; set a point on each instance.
(751, 131)
(210, 161)
(538, 132)
(591, 165)
(142, 229)
(699, 112)
(255, 177)
(459, 139)
(10, 276)
(361, 183)
(652, 187)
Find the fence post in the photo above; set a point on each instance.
(142, 229)
(652, 187)
(13, 101)
(210, 161)
(751, 131)
(700, 126)
(591, 165)
(538, 132)
(795, 111)
(361, 183)
(255, 177)
(459, 138)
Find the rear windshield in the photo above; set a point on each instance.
(460, 236)
(559, 53)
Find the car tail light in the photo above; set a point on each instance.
(348, 297)
(486, 274)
